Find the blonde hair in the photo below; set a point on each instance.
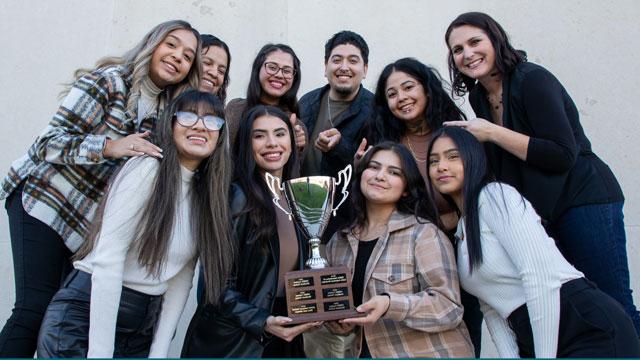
(136, 63)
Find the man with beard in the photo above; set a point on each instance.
(335, 113)
(334, 116)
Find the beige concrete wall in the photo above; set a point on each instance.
(590, 45)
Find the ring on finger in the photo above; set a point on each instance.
(132, 147)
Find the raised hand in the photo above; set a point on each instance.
(328, 139)
(299, 134)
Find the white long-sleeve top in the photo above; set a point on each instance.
(521, 264)
(113, 262)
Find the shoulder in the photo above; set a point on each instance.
(236, 103)
(365, 94)
(312, 96)
(530, 74)
(497, 197)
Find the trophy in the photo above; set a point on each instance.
(322, 292)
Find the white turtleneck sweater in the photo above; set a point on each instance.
(148, 101)
(113, 262)
(520, 264)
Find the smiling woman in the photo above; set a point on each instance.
(274, 80)
(53, 191)
(253, 307)
(133, 275)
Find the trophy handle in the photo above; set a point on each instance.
(271, 184)
(346, 175)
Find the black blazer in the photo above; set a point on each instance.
(235, 328)
(561, 171)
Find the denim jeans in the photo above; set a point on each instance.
(40, 262)
(592, 238)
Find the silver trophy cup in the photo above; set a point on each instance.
(311, 202)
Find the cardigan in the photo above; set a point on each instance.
(113, 262)
(414, 263)
(521, 265)
(561, 171)
(64, 172)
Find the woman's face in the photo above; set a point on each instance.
(276, 83)
(472, 51)
(271, 144)
(382, 182)
(446, 170)
(214, 68)
(172, 59)
(195, 142)
(406, 97)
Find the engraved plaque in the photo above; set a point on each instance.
(335, 292)
(319, 295)
(336, 305)
(305, 295)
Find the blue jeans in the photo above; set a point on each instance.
(592, 238)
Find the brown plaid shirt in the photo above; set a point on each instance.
(414, 263)
(64, 171)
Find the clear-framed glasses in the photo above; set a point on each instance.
(188, 119)
(272, 68)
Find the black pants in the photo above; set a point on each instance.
(472, 319)
(65, 328)
(40, 264)
(592, 325)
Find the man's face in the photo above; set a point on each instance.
(345, 70)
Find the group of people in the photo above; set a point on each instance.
(143, 172)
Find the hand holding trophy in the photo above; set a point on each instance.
(323, 292)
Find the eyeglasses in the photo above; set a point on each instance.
(188, 119)
(272, 68)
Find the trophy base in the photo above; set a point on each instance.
(319, 295)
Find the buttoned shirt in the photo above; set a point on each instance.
(414, 263)
(64, 171)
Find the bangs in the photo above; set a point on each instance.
(195, 101)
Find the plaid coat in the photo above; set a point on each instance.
(64, 172)
(414, 263)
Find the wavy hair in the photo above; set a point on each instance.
(208, 203)
(506, 56)
(416, 202)
(250, 177)
(288, 101)
(136, 63)
(440, 108)
(208, 41)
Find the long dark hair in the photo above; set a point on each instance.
(440, 108)
(208, 41)
(476, 176)
(507, 57)
(209, 201)
(251, 178)
(416, 202)
(288, 101)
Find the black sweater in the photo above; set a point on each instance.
(560, 171)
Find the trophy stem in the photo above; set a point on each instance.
(316, 261)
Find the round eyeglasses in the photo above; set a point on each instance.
(272, 68)
(188, 119)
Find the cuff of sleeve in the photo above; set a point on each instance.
(92, 147)
(257, 327)
(398, 307)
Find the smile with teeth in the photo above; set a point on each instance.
(474, 64)
(209, 83)
(272, 156)
(406, 108)
(172, 68)
(197, 139)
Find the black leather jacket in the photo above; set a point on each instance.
(235, 328)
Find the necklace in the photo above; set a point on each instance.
(494, 104)
(329, 110)
(415, 155)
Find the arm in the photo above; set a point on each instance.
(518, 229)
(122, 212)
(501, 333)
(68, 138)
(173, 303)
(437, 306)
